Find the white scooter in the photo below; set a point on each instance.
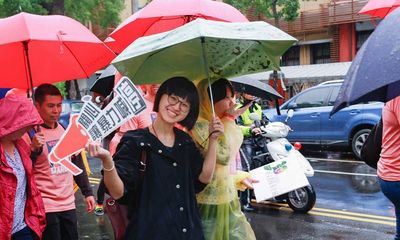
(277, 148)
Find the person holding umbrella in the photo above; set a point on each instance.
(22, 214)
(219, 205)
(162, 203)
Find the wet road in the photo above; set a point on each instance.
(349, 206)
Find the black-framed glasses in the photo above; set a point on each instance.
(183, 105)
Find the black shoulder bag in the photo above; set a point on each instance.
(371, 150)
(118, 213)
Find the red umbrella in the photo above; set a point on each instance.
(379, 8)
(164, 15)
(45, 49)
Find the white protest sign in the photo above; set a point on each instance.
(278, 178)
(127, 102)
(93, 123)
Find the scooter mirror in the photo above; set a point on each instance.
(290, 113)
(254, 116)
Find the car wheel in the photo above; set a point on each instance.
(358, 141)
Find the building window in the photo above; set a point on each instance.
(291, 57)
(362, 36)
(320, 53)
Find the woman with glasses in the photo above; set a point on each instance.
(163, 204)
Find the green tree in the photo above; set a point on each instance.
(99, 12)
(61, 86)
(276, 9)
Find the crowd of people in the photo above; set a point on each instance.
(188, 191)
(192, 173)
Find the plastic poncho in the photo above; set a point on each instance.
(219, 205)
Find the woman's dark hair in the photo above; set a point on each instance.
(219, 89)
(183, 88)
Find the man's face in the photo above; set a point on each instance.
(50, 109)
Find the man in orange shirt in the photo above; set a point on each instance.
(54, 181)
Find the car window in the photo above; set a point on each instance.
(334, 94)
(312, 98)
(76, 107)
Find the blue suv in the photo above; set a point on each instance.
(312, 125)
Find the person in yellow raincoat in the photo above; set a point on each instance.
(219, 206)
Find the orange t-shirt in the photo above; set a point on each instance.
(389, 163)
(53, 180)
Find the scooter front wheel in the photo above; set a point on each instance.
(302, 200)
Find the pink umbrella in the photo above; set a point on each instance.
(379, 8)
(45, 49)
(164, 15)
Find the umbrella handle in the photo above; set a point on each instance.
(208, 74)
(211, 97)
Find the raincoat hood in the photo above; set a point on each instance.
(229, 142)
(17, 113)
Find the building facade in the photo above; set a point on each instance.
(328, 31)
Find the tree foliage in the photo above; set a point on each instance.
(277, 9)
(61, 86)
(100, 12)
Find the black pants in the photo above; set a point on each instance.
(61, 226)
(245, 157)
(23, 234)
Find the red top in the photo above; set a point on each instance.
(389, 163)
(34, 208)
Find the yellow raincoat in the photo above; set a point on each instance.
(222, 218)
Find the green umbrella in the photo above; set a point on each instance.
(204, 49)
(225, 49)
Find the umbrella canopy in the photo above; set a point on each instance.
(379, 8)
(204, 49)
(164, 15)
(375, 72)
(45, 49)
(246, 84)
(105, 82)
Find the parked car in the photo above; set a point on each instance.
(312, 125)
(68, 107)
